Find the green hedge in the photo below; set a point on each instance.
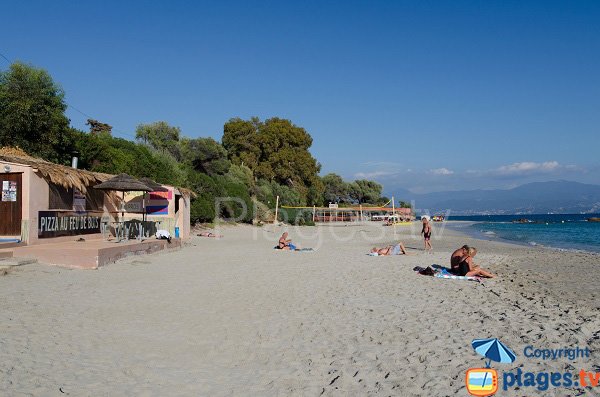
(296, 216)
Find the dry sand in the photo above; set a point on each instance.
(232, 316)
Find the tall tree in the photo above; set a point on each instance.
(97, 127)
(240, 138)
(161, 136)
(365, 191)
(205, 155)
(276, 150)
(32, 111)
(335, 189)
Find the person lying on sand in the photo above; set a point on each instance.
(397, 249)
(466, 266)
(285, 243)
(209, 234)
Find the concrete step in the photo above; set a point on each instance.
(12, 262)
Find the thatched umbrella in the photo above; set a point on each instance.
(123, 183)
(155, 188)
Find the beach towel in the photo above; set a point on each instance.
(441, 272)
(294, 250)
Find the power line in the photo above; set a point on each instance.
(73, 107)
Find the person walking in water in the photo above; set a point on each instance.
(426, 232)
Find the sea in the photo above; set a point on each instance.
(558, 231)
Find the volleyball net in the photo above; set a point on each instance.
(334, 213)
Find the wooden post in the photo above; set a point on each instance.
(276, 209)
(314, 212)
(393, 215)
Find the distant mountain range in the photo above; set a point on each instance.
(532, 198)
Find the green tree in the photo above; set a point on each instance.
(275, 150)
(335, 189)
(241, 174)
(102, 152)
(32, 111)
(161, 136)
(97, 127)
(240, 139)
(202, 208)
(365, 191)
(205, 155)
(404, 204)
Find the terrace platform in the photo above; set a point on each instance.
(88, 254)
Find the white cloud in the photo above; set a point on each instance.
(382, 164)
(441, 171)
(374, 174)
(528, 167)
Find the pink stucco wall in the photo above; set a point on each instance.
(35, 198)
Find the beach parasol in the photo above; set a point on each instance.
(156, 187)
(123, 183)
(493, 350)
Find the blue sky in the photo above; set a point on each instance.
(420, 95)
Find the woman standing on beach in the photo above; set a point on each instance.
(426, 232)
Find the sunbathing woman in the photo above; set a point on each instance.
(390, 250)
(466, 266)
(209, 234)
(457, 257)
(285, 243)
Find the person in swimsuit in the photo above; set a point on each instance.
(209, 234)
(466, 266)
(426, 232)
(285, 243)
(397, 249)
(457, 256)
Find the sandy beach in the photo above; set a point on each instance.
(233, 317)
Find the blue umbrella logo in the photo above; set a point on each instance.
(493, 350)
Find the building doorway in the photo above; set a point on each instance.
(10, 204)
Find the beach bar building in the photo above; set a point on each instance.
(44, 203)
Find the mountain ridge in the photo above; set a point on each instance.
(559, 196)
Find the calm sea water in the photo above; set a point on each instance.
(557, 231)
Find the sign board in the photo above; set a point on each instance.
(57, 223)
(168, 195)
(9, 191)
(133, 206)
(333, 205)
(158, 209)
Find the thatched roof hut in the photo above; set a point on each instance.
(62, 175)
(58, 174)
